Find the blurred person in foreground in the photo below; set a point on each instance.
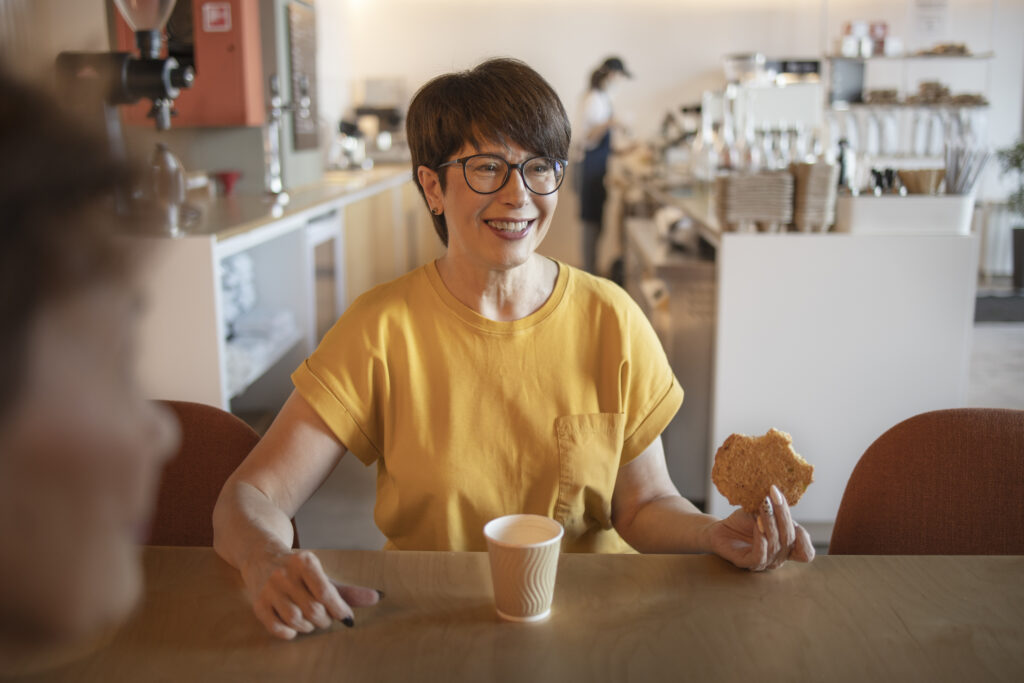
(80, 449)
(489, 382)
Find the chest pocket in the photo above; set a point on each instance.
(589, 449)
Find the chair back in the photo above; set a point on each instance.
(947, 482)
(213, 444)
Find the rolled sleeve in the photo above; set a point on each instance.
(333, 411)
(657, 419)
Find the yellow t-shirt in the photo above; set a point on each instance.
(468, 418)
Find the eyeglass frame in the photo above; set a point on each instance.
(508, 173)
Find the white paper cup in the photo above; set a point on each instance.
(524, 559)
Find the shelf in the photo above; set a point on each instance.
(842, 106)
(979, 56)
(274, 351)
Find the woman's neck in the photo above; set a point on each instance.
(501, 295)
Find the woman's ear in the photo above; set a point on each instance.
(431, 185)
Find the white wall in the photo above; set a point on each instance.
(674, 47)
(33, 32)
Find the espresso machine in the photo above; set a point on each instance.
(379, 118)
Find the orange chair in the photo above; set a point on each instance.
(947, 482)
(213, 444)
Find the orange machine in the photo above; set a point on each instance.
(223, 38)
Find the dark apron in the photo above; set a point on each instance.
(592, 192)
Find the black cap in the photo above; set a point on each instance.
(615, 64)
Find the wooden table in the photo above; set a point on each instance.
(615, 618)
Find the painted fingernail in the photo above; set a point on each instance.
(776, 494)
(380, 593)
(766, 506)
(349, 621)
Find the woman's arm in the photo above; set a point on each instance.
(651, 515)
(252, 530)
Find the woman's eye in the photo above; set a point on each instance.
(540, 167)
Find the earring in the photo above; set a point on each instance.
(436, 211)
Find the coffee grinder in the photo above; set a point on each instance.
(97, 83)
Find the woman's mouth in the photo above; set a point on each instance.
(510, 229)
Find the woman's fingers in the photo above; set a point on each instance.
(768, 527)
(268, 617)
(299, 597)
(782, 524)
(783, 519)
(358, 596)
(758, 548)
(292, 589)
(288, 613)
(764, 540)
(803, 549)
(320, 590)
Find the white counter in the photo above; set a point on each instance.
(836, 338)
(831, 337)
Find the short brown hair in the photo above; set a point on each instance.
(501, 100)
(57, 227)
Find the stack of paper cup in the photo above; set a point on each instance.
(523, 550)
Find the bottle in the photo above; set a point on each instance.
(167, 187)
(727, 153)
(847, 166)
(703, 154)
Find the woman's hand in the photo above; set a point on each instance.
(292, 594)
(763, 541)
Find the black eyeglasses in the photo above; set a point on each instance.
(488, 173)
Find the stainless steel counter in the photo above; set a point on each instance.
(227, 217)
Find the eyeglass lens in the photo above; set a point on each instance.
(486, 173)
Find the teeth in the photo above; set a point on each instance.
(509, 226)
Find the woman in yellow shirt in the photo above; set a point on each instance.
(492, 381)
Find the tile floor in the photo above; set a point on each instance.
(340, 514)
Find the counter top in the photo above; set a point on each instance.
(227, 217)
(697, 201)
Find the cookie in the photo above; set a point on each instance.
(746, 467)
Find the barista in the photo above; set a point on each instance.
(598, 123)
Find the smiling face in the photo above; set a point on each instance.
(495, 232)
(80, 456)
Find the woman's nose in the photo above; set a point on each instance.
(515, 192)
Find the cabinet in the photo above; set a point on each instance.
(303, 270)
(387, 234)
(222, 40)
(326, 258)
(187, 350)
(834, 339)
